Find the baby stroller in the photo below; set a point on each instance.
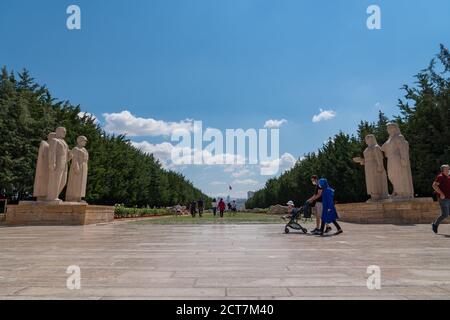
(305, 210)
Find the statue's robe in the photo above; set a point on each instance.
(396, 150)
(376, 179)
(42, 172)
(58, 157)
(76, 186)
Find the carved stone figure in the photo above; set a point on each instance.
(396, 150)
(58, 158)
(76, 187)
(42, 168)
(376, 179)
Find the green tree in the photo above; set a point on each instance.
(425, 111)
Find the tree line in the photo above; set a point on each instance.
(424, 120)
(118, 172)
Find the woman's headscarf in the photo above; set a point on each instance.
(323, 183)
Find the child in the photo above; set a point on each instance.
(291, 211)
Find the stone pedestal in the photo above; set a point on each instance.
(413, 211)
(66, 213)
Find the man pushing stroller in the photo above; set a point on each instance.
(328, 212)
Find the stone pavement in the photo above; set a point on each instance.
(145, 261)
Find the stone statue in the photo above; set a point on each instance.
(42, 168)
(376, 179)
(58, 158)
(76, 187)
(396, 150)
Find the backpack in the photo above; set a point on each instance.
(307, 212)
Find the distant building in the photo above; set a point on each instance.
(240, 204)
(250, 194)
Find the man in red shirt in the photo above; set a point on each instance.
(442, 187)
(221, 207)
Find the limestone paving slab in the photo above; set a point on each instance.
(146, 261)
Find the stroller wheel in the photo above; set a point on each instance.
(304, 230)
(286, 230)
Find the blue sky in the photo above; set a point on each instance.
(228, 63)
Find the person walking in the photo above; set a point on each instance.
(192, 208)
(316, 204)
(178, 210)
(329, 213)
(221, 207)
(234, 207)
(441, 186)
(214, 206)
(200, 207)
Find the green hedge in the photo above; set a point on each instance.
(120, 211)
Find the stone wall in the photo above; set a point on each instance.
(416, 211)
(58, 214)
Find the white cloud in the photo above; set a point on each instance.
(175, 157)
(245, 182)
(125, 122)
(272, 123)
(188, 156)
(161, 151)
(285, 162)
(165, 151)
(229, 169)
(217, 183)
(242, 173)
(238, 171)
(324, 115)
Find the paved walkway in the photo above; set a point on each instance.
(143, 261)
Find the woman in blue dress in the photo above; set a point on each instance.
(329, 213)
